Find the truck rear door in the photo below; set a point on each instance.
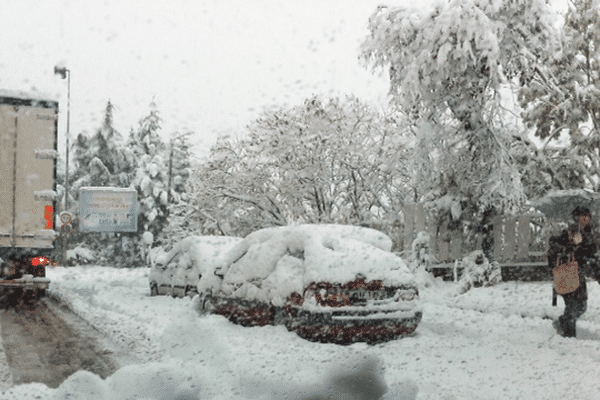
(27, 167)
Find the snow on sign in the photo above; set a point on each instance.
(108, 209)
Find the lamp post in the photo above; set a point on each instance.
(65, 73)
(65, 217)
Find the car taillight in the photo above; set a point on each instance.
(296, 299)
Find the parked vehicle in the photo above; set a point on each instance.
(28, 153)
(327, 283)
(177, 272)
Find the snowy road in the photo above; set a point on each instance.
(45, 343)
(489, 343)
(5, 375)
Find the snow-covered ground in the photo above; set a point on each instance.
(488, 343)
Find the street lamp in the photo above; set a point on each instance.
(65, 73)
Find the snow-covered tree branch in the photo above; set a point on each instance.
(446, 71)
(564, 94)
(324, 161)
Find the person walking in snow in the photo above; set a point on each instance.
(572, 256)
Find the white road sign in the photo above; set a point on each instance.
(108, 209)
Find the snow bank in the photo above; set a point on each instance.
(80, 255)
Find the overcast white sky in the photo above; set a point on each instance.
(210, 65)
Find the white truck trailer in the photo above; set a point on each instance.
(28, 154)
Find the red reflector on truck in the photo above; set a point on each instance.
(40, 261)
(49, 216)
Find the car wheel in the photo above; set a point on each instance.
(178, 291)
(153, 289)
(280, 316)
(191, 291)
(208, 306)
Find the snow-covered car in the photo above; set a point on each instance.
(178, 271)
(327, 283)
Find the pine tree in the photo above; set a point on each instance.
(102, 160)
(151, 174)
(179, 167)
(179, 172)
(147, 136)
(161, 174)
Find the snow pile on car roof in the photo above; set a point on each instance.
(272, 263)
(205, 252)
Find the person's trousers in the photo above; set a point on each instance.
(575, 306)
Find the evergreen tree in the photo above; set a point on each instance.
(161, 174)
(151, 175)
(102, 160)
(179, 172)
(145, 163)
(147, 136)
(179, 167)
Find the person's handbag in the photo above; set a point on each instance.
(566, 276)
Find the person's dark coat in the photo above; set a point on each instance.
(562, 248)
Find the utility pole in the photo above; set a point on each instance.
(66, 73)
(66, 217)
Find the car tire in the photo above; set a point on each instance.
(153, 289)
(208, 305)
(280, 316)
(177, 292)
(190, 291)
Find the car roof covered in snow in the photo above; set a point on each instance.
(270, 264)
(203, 249)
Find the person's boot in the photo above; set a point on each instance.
(566, 327)
(570, 330)
(558, 326)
